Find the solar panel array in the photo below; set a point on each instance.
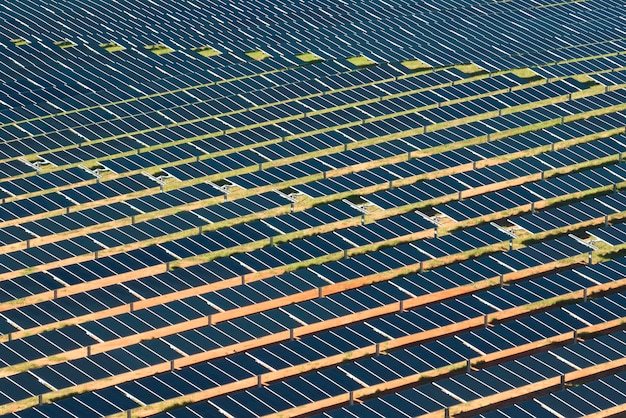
(331, 209)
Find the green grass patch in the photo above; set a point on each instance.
(471, 69)
(19, 41)
(175, 405)
(159, 49)
(548, 303)
(22, 368)
(257, 54)
(309, 57)
(361, 61)
(416, 65)
(456, 367)
(112, 47)
(585, 80)
(527, 73)
(206, 51)
(65, 44)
